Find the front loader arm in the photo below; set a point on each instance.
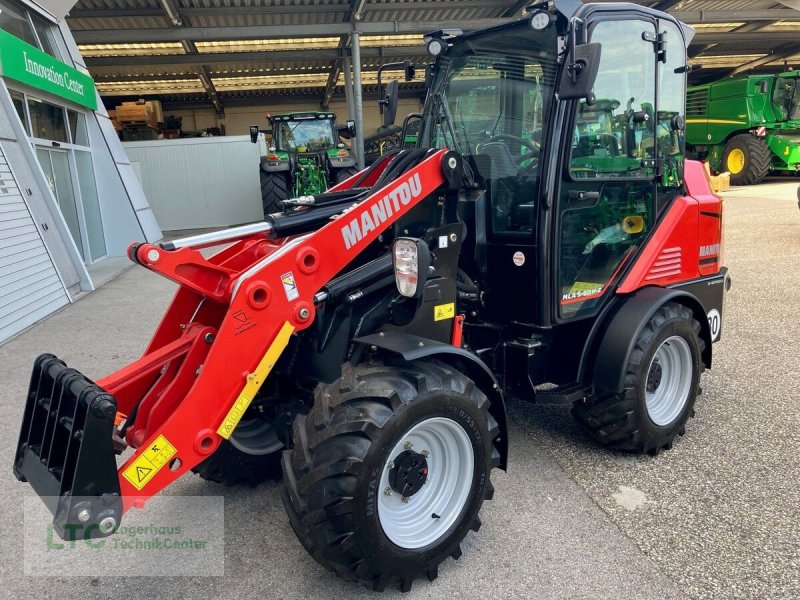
(227, 326)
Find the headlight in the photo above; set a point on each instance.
(411, 258)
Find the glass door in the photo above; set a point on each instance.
(61, 138)
(55, 164)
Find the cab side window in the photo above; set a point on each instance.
(614, 135)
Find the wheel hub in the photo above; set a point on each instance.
(654, 376)
(409, 473)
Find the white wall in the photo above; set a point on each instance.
(195, 183)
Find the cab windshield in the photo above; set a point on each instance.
(490, 103)
(304, 136)
(786, 98)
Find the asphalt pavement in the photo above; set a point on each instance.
(718, 516)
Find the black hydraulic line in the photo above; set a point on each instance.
(357, 277)
(302, 221)
(372, 167)
(404, 161)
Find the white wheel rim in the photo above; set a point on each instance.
(666, 395)
(451, 464)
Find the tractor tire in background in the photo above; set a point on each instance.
(251, 456)
(389, 470)
(661, 385)
(746, 157)
(274, 190)
(346, 173)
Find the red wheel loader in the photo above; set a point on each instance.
(364, 342)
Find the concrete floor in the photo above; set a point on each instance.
(718, 516)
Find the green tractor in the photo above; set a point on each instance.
(748, 126)
(304, 157)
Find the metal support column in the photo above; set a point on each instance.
(348, 87)
(357, 102)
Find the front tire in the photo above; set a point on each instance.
(274, 190)
(345, 174)
(389, 471)
(746, 158)
(661, 385)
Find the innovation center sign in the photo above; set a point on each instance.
(29, 65)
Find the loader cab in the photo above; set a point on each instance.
(569, 188)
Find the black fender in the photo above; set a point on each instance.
(273, 168)
(413, 347)
(342, 162)
(612, 342)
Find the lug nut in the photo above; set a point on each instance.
(404, 499)
(84, 515)
(408, 445)
(390, 466)
(107, 524)
(425, 453)
(388, 491)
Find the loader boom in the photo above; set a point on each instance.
(228, 324)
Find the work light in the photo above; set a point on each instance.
(411, 258)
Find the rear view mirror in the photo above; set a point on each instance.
(580, 74)
(254, 133)
(388, 104)
(409, 70)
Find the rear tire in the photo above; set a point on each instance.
(363, 432)
(661, 385)
(346, 173)
(746, 157)
(274, 190)
(251, 456)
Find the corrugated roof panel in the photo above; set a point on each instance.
(147, 22)
(261, 19)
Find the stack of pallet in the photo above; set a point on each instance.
(719, 183)
(139, 120)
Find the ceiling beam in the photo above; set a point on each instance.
(777, 54)
(728, 16)
(214, 75)
(205, 78)
(215, 58)
(515, 9)
(122, 36)
(665, 5)
(744, 37)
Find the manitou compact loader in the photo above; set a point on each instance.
(364, 342)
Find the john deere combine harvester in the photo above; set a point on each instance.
(749, 126)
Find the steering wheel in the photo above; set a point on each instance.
(532, 155)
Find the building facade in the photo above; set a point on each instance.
(69, 198)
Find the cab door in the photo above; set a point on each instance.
(606, 204)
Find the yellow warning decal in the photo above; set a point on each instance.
(444, 311)
(254, 381)
(144, 468)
